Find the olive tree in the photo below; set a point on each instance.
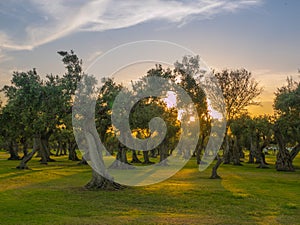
(240, 90)
(287, 124)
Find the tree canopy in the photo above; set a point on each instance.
(38, 116)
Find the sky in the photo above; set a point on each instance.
(262, 36)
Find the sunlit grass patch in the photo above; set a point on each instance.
(290, 205)
(54, 194)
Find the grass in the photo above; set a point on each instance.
(53, 194)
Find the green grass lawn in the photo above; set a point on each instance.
(54, 194)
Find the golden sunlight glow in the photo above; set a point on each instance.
(192, 119)
(171, 99)
(213, 113)
(266, 107)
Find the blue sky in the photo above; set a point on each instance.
(262, 36)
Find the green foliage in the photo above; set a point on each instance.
(107, 95)
(38, 108)
(239, 90)
(287, 106)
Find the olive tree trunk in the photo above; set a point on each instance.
(237, 151)
(28, 157)
(121, 161)
(295, 151)
(72, 145)
(284, 161)
(226, 154)
(99, 182)
(252, 151)
(13, 151)
(44, 150)
(260, 155)
(214, 174)
(135, 158)
(199, 148)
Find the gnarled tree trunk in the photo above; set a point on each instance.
(226, 155)
(28, 157)
(25, 146)
(72, 151)
(199, 148)
(260, 155)
(295, 151)
(236, 151)
(284, 161)
(44, 149)
(99, 182)
(252, 151)
(214, 174)
(121, 161)
(163, 154)
(13, 150)
(135, 159)
(146, 158)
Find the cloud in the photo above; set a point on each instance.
(3, 56)
(93, 56)
(33, 23)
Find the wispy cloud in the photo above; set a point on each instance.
(93, 56)
(3, 56)
(33, 23)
